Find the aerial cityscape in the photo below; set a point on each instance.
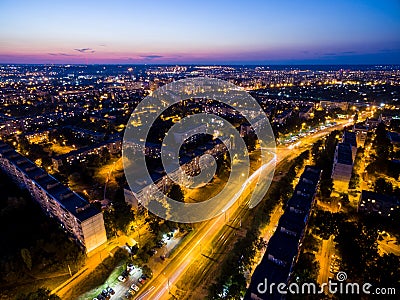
(217, 150)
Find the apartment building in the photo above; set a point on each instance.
(342, 166)
(80, 219)
(113, 146)
(350, 138)
(284, 246)
(376, 204)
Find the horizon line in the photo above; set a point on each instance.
(204, 64)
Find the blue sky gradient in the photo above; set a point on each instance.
(270, 32)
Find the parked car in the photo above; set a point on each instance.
(134, 287)
(106, 294)
(131, 292)
(128, 295)
(110, 291)
(101, 297)
(121, 278)
(129, 267)
(159, 244)
(142, 280)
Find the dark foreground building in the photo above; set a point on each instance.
(283, 248)
(80, 219)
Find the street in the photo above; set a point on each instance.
(160, 286)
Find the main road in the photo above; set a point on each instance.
(159, 287)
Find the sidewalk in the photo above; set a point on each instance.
(94, 259)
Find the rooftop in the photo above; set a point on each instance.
(294, 222)
(365, 195)
(350, 138)
(270, 271)
(344, 155)
(283, 247)
(77, 152)
(70, 201)
(394, 137)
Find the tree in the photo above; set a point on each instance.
(326, 187)
(382, 144)
(345, 198)
(120, 216)
(122, 211)
(26, 256)
(40, 294)
(386, 270)
(306, 268)
(250, 140)
(158, 207)
(354, 180)
(358, 247)
(105, 155)
(147, 271)
(223, 165)
(316, 149)
(24, 144)
(134, 249)
(382, 186)
(355, 118)
(176, 193)
(326, 223)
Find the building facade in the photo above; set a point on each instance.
(113, 147)
(80, 219)
(376, 204)
(284, 246)
(361, 132)
(350, 138)
(342, 166)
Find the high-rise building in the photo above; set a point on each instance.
(80, 219)
(276, 267)
(342, 166)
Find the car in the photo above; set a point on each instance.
(101, 297)
(121, 278)
(159, 244)
(131, 292)
(142, 280)
(162, 257)
(128, 295)
(106, 294)
(129, 267)
(153, 251)
(333, 269)
(95, 299)
(110, 291)
(134, 287)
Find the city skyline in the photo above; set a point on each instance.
(340, 32)
(157, 150)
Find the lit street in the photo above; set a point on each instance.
(159, 287)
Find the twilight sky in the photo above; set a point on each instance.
(207, 31)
